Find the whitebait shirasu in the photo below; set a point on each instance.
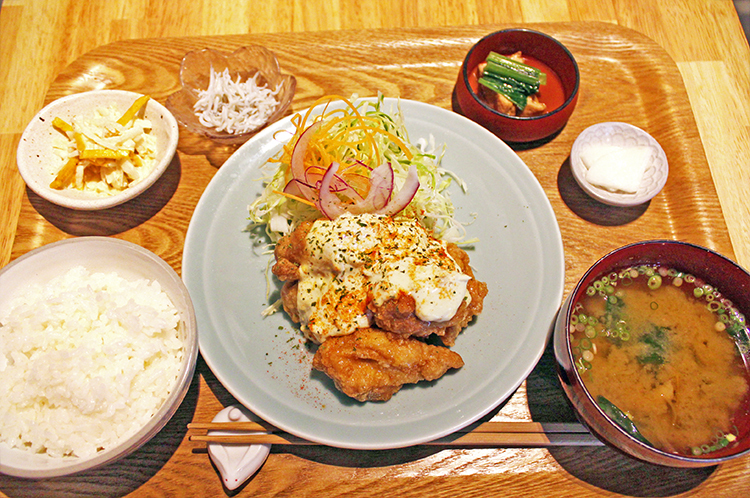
(234, 106)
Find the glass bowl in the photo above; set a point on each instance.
(245, 63)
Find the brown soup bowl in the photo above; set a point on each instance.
(707, 266)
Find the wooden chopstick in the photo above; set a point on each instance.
(508, 434)
(512, 427)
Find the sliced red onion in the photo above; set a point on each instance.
(381, 187)
(404, 196)
(338, 184)
(293, 188)
(297, 161)
(360, 163)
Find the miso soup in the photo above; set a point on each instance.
(664, 352)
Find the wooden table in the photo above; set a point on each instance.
(704, 126)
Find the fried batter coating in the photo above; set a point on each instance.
(290, 252)
(372, 365)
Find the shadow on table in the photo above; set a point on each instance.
(590, 209)
(117, 219)
(601, 466)
(215, 153)
(118, 478)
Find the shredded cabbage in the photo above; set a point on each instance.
(280, 213)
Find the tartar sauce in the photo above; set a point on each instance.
(358, 259)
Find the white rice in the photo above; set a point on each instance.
(85, 361)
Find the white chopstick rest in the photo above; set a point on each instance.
(236, 463)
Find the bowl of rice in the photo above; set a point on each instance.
(98, 346)
(97, 149)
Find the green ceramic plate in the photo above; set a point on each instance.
(265, 364)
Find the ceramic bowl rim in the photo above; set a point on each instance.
(181, 385)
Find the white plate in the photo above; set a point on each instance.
(615, 133)
(39, 165)
(265, 365)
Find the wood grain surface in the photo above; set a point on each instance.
(703, 134)
(424, 68)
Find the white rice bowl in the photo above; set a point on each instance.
(79, 392)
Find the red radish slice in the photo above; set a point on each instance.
(297, 161)
(329, 204)
(403, 197)
(381, 187)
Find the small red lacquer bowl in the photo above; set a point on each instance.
(536, 45)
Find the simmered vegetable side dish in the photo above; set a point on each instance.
(661, 353)
(510, 85)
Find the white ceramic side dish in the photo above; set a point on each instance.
(39, 165)
(623, 135)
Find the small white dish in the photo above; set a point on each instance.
(39, 165)
(620, 134)
(130, 261)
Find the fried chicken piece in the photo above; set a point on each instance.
(290, 252)
(289, 299)
(396, 315)
(399, 314)
(372, 365)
